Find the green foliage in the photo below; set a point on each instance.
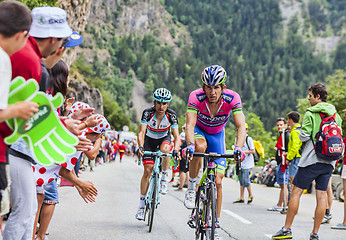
(265, 71)
(115, 115)
(336, 85)
(268, 71)
(257, 132)
(37, 3)
(94, 76)
(340, 53)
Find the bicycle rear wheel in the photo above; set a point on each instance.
(210, 213)
(153, 203)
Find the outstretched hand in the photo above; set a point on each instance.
(93, 121)
(84, 144)
(87, 191)
(82, 113)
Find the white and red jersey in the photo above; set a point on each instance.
(169, 121)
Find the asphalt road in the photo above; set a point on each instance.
(112, 216)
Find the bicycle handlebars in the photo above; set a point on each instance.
(158, 154)
(215, 155)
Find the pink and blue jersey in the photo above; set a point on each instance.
(198, 103)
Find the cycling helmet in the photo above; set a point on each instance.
(214, 75)
(162, 95)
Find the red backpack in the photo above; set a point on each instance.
(329, 144)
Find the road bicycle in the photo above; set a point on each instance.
(152, 199)
(204, 214)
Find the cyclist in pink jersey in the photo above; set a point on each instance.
(208, 111)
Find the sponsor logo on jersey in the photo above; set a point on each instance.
(228, 98)
(201, 97)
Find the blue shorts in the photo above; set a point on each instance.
(244, 177)
(320, 172)
(280, 175)
(51, 195)
(293, 167)
(216, 144)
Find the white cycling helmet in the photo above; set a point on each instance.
(162, 95)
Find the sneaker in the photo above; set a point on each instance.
(189, 201)
(314, 236)
(163, 187)
(250, 199)
(172, 180)
(216, 235)
(275, 208)
(283, 234)
(140, 214)
(339, 226)
(179, 189)
(284, 210)
(326, 218)
(238, 201)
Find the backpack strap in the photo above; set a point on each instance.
(247, 142)
(322, 115)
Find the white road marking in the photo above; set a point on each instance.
(232, 214)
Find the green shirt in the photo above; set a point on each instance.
(294, 143)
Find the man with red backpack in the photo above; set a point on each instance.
(322, 146)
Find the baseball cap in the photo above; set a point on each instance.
(49, 22)
(74, 40)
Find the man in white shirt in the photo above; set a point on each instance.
(246, 167)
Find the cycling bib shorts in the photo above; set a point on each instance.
(216, 144)
(152, 144)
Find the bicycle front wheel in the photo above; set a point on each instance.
(153, 203)
(197, 215)
(210, 213)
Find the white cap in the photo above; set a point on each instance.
(49, 22)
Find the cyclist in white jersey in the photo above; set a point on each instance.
(154, 133)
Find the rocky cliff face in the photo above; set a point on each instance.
(81, 92)
(78, 12)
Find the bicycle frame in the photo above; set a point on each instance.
(206, 197)
(152, 199)
(154, 177)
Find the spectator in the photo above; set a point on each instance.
(183, 169)
(246, 167)
(13, 36)
(343, 176)
(310, 166)
(281, 176)
(122, 149)
(294, 146)
(44, 40)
